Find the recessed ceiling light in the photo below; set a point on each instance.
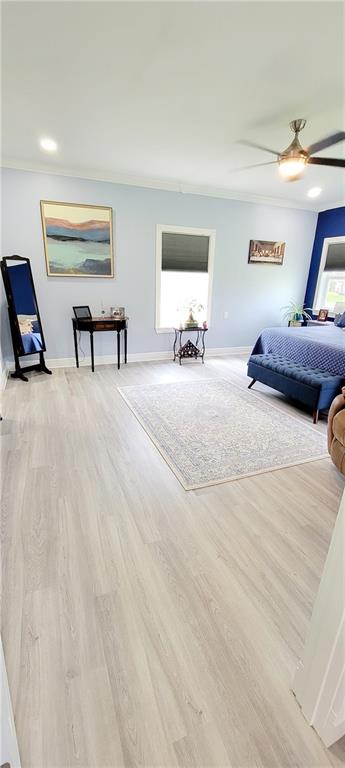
(314, 192)
(49, 145)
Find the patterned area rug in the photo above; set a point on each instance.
(213, 431)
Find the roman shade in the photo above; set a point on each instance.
(184, 253)
(335, 259)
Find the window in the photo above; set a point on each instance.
(330, 289)
(184, 275)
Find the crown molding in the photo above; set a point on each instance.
(164, 185)
(330, 206)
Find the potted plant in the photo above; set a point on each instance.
(193, 307)
(295, 313)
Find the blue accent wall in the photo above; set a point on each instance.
(329, 224)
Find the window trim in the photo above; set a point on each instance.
(211, 234)
(326, 242)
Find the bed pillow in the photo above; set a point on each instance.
(339, 320)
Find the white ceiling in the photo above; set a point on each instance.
(160, 93)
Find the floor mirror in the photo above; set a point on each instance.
(25, 322)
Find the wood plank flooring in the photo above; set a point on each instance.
(144, 625)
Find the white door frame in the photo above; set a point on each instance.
(8, 740)
(319, 683)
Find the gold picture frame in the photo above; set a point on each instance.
(78, 239)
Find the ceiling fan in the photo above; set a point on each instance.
(293, 160)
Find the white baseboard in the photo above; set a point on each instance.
(136, 357)
(3, 377)
(141, 357)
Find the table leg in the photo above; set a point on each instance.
(174, 347)
(92, 354)
(180, 360)
(125, 334)
(76, 347)
(203, 346)
(118, 350)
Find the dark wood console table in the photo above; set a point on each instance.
(188, 349)
(96, 324)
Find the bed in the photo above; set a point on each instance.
(31, 333)
(320, 347)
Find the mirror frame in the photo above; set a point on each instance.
(15, 330)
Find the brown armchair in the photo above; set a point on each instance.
(336, 431)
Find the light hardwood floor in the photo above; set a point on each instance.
(144, 625)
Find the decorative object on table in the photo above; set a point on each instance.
(193, 308)
(82, 312)
(94, 324)
(25, 322)
(213, 431)
(118, 312)
(204, 325)
(322, 316)
(339, 320)
(188, 349)
(339, 308)
(78, 239)
(266, 252)
(295, 313)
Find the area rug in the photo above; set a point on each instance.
(214, 431)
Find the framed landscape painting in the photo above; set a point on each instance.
(266, 252)
(78, 239)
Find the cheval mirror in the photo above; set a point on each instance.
(25, 322)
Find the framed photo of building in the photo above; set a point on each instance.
(78, 239)
(266, 252)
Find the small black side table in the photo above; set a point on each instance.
(92, 324)
(188, 349)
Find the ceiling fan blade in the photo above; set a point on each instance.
(258, 146)
(336, 163)
(328, 141)
(256, 165)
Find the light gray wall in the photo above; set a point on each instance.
(251, 294)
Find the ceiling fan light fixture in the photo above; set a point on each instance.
(291, 168)
(294, 158)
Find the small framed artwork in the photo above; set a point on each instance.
(266, 252)
(82, 312)
(78, 239)
(322, 316)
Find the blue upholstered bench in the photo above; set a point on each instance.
(311, 386)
